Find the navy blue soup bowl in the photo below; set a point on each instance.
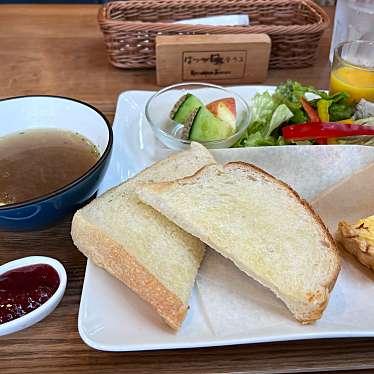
(29, 112)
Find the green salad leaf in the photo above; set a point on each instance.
(336, 98)
(263, 107)
(299, 116)
(280, 115)
(340, 111)
(294, 91)
(267, 116)
(257, 139)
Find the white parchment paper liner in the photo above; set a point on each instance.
(235, 304)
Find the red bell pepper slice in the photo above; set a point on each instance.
(312, 114)
(325, 130)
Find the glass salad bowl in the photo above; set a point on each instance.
(172, 133)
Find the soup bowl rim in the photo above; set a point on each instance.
(78, 180)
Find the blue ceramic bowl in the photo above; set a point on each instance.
(29, 112)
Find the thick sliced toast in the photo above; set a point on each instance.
(259, 223)
(138, 245)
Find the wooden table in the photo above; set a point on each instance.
(58, 49)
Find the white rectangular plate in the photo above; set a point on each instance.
(227, 307)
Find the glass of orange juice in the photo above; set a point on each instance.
(353, 70)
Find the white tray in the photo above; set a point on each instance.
(232, 309)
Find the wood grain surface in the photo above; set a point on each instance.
(58, 49)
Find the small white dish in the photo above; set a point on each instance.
(45, 309)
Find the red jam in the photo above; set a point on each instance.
(25, 289)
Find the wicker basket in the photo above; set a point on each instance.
(130, 27)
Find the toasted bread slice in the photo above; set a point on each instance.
(358, 239)
(139, 246)
(259, 223)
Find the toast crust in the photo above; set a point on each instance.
(197, 147)
(114, 258)
(143, 178)
(315, 303)
(349, 237)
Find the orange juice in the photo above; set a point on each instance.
(359, 83)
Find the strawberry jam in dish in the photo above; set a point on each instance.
(25, 289)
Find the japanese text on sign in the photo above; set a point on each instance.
(217, 65)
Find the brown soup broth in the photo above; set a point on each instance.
(36, 162)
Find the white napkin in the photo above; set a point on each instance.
(226, 20)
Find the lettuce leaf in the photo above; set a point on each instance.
(339, 111)
(263, 107)
(281, 114)
(294, 91)
(267, 116)
(257, 139)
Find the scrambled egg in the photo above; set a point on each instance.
(358, 239)
(365, 228)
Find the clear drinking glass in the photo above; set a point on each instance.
(353, 70)
(354, 20)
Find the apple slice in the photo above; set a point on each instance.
(225, 110)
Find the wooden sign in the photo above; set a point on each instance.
(234, 58)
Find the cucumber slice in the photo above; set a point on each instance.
(204, 126)
(184, 107)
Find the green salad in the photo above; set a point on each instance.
(297, 114)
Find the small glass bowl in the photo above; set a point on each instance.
(169, 132)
